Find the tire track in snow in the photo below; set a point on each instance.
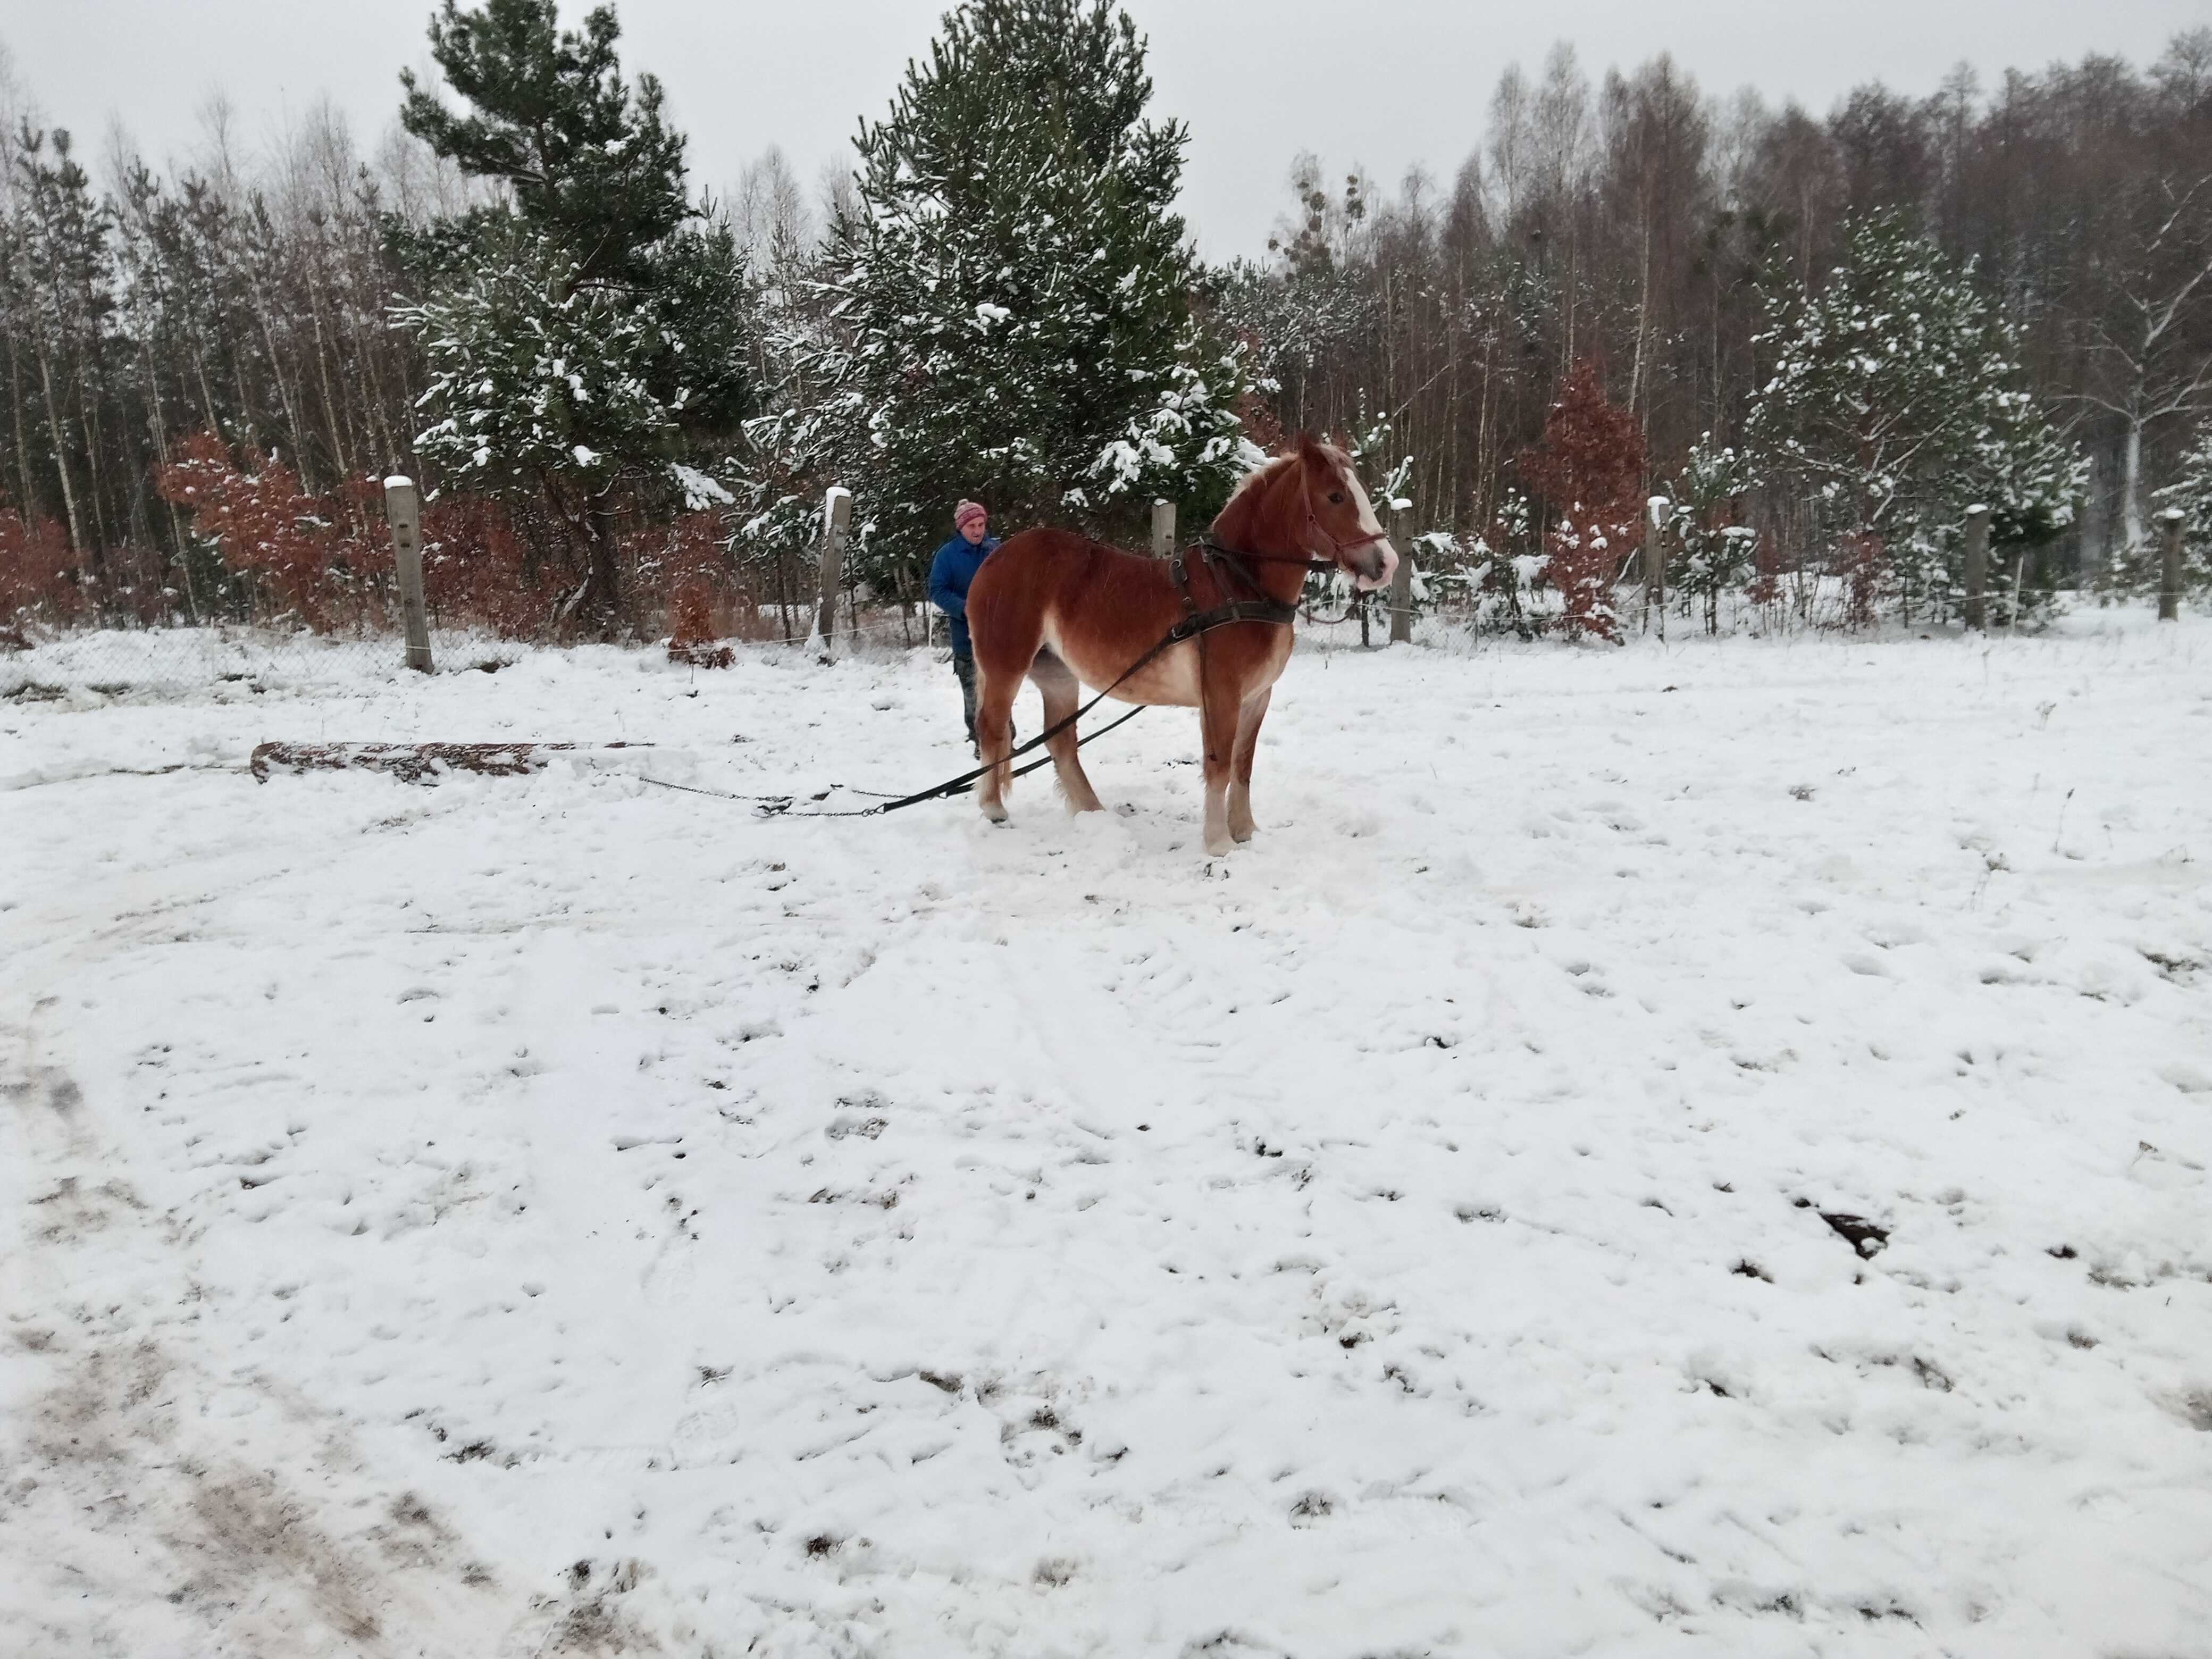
(119, 1464)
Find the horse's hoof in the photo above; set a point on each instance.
(995, 814)
(1218, 848)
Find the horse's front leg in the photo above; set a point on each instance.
(1254, 710)
(1219, 711)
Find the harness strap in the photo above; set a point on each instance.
(1259, 607)
(1196, 623)
(1313, 567)
(1190, 611)
(1237, 611)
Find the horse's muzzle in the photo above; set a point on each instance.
(1373, 567)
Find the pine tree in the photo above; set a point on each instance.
(593, 165)
(66, 284)
(1894, 403)
(590, 340)
(1014, 298)
(2191, 495)
(1716, 546)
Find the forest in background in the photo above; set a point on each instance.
(1641, 220)
(211, 363)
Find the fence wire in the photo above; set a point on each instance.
(171, 661)
(38, 667)
(116, 662)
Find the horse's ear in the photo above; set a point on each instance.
(1310, 450)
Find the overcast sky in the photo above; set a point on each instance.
(1384, 84)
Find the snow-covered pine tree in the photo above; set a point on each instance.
(1013, 299)
(1895, 402)
(2192, 493)
(540, 378)
(587, 338)
(1715, 546)
(587, 158)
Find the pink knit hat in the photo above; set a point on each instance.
(966, 511)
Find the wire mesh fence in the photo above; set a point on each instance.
(57, 663)
(117, 661)
(49, 664)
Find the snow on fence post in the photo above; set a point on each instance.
(404, 508)
(1656, 512)
(1401, 579)
(2169, 565)
(1977, 566)
(1163, 516)
(837, 518)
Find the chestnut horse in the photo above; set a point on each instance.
(1064, 610)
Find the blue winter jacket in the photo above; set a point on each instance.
(950, 573)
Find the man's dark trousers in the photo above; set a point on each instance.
(963, 665)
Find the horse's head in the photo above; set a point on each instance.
(1338, 522)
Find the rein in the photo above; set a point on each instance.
(1195, 624)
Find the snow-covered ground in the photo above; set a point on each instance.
(563, 1216)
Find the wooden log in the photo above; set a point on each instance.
(404, 508)
(1402, 581)
(1164, 529)
(836, 521)
(416, 762)
(1977, 566)
(2169, 564)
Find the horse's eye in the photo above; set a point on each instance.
(1336, 498)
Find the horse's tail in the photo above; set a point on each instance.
(1000, 778)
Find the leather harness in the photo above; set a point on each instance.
(1258, 607)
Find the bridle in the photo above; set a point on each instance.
(1217, 558)
(1313, 522)
(1213, 551)
(1260, 606)
(1234, 558)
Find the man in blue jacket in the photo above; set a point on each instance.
(950, 573)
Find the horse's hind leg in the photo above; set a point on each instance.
(1006, 643)
(1062, 695)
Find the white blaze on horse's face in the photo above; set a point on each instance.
(1377, 563)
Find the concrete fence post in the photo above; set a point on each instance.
(836, 519)
(1977, 566)
(1163, 534)
(1657, 511)
(1402, 581)
(2169, 564)
(402, 506)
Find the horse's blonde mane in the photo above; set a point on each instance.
(1253, 477)
(1274, 464)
